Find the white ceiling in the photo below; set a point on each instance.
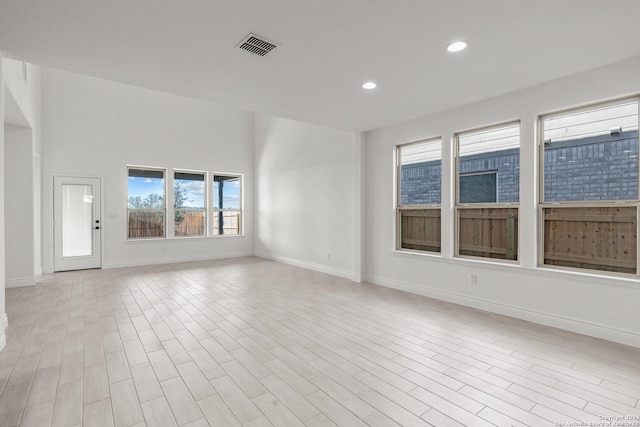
(328, 49)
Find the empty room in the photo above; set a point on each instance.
(319, 213)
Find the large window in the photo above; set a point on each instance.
(227, 204)
(146, 203)
(419, 175)
(488, 186)
(589, 193)
(189, 204)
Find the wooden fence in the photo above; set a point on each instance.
(488, 232)
(150, 223)
(420, 229)
(597, 238)
(231, 222)
(192, 224)
(146, 224)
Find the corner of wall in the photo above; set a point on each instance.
(3, 338)
(4, 323)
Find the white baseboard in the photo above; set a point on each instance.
(19, 282)
(4, 323)
(173, 260)
(311, 266)
(573, 325)
(37, 272)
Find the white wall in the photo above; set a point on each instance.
(94, 128)
(18, 182)
(23, 109)
(26, 92)
(602, 306)
(306, 195)
(3, 314)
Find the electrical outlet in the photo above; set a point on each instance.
(473, 279)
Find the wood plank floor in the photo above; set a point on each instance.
(250, 342)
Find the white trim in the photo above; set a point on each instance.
(173, 260)
(313, 266)
(4, 323)
(587, 328)
(19, 282)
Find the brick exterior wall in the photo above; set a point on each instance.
(595, 168)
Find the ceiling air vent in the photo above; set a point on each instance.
(256, 45)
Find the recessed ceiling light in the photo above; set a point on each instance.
(456, 46)
(369, 85)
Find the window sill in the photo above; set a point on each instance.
(169, 239)
(415, 253)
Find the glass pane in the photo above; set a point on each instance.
(421, 173)
(420, 229)
(146, 189)
(592, 155)
(189, 204)
(146, 223)
(489, 233)
(479, 188)
(227, 222)
(489, 165)
(189, 223)
(595, 238)
(226, 192)
(77, 220)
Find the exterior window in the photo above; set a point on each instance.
(479, 187)
(146, 203)
(488, 186)
(419, 177)
(189, 209)
(589, 193)
(227, 204)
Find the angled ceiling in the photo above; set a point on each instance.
(326, 49)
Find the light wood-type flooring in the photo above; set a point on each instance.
(250, 342)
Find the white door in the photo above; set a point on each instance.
(77, 225)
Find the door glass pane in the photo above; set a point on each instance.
(77, 218)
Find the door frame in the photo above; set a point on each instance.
(52, 217)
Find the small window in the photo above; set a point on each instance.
(589, 192)
(146, 203)
(419, 175)
(488, 191)
(227, 204)
(479, 187)
(189, 209)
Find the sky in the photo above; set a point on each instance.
(142, 187)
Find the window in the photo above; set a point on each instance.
(189, 208)
(488, 191)
(419, 176)
(479, 187)
(589, 192)
(146, 207)
(227, 204)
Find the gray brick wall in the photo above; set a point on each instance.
(595, 168)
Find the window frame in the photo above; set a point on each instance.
(543, 204)
(205, 209)
(165, 209)
(458, 207)
(400, 208)
(215, 211)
